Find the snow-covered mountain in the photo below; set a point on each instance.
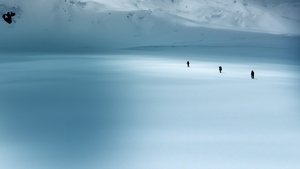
(247, 15)
(104, 24)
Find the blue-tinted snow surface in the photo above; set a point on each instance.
(146, 111)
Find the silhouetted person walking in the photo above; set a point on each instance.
(252, 74)
(188, 63)
(8, 17)
(220, 69)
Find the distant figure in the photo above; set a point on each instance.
(220, 69)
(252, 74)
(188, 63)
(8, 17)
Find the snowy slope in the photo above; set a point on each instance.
(64, 105)
(145, 112)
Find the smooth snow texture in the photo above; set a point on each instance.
(144, 111)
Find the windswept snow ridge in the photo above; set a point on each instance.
(246, 15)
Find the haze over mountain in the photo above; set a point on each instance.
(114, 24)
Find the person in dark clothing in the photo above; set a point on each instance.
(220, 69)
(252, 74)
(8, 17)
(188, 63)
